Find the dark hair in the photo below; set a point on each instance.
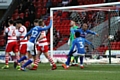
(19, 22)
(77, 34)
(11, 21)
(84, 23)
(36, 20)
(40, 22)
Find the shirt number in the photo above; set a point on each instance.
(81, 44)
(13, 33)
(34, 33)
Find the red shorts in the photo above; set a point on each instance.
(23, 48)
(43, 48)
(12, 46)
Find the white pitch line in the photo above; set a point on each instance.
(97, 64)
(90, 71)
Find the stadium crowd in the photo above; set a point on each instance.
(28, 11)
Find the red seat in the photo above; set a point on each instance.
(39, 5)
(21, 15)
(2, 42)
(27, 24)
(45, 1)
(43, 11)
(16, 11)
(38, 15)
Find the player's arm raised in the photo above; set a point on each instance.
(47, 27)
(92, 32)
(28, 33)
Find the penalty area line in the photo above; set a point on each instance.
(90, 71)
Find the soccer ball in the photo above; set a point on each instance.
(111, 37)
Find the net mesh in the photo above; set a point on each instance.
(97, 19)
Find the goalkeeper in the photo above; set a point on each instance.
(73, 27)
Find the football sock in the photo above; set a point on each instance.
(27, 63)
(36, 62)
(76, 59)
(68, 60)
(72, 58)
(81, 60)
(22, 58)
(6, 59)
(51, 60)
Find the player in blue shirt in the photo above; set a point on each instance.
(79, 45)
(35, 33)
(83, 32)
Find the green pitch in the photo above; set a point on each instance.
(90, 72)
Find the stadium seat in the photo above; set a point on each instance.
(16, 11)
(45, 1)
(43, 11)
(38, 15)
(21, 15)
(2, 42)
(39, 5)
(27, 24)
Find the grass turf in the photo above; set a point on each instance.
(90, 72)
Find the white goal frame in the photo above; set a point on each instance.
(73, 7)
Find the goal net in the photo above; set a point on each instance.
(101, 18)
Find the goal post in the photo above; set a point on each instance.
(107, 7)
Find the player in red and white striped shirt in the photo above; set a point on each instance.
(21, 32)
(11, 43)
(42, 47)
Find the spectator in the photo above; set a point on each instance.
(31, 17)
(58, 34)
(21, 19)
(48, 6)
(27, 4)
(87, 49)
(65, 2)
(21, 8)
(117, 35)
(6, 22)
(31, 7)
(73, 3)
(26, 18)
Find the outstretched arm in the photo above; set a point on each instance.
(92, 32)
(28, 33)
(46, 28)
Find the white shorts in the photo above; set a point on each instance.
(31, 48)
(78, 54)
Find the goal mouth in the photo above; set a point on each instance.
(108, 26)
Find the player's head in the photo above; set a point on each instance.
(77, 34)
(85, 26)
(36, 22)
(72, 23)
(18, 23)
(10, 22)
(41, 23)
